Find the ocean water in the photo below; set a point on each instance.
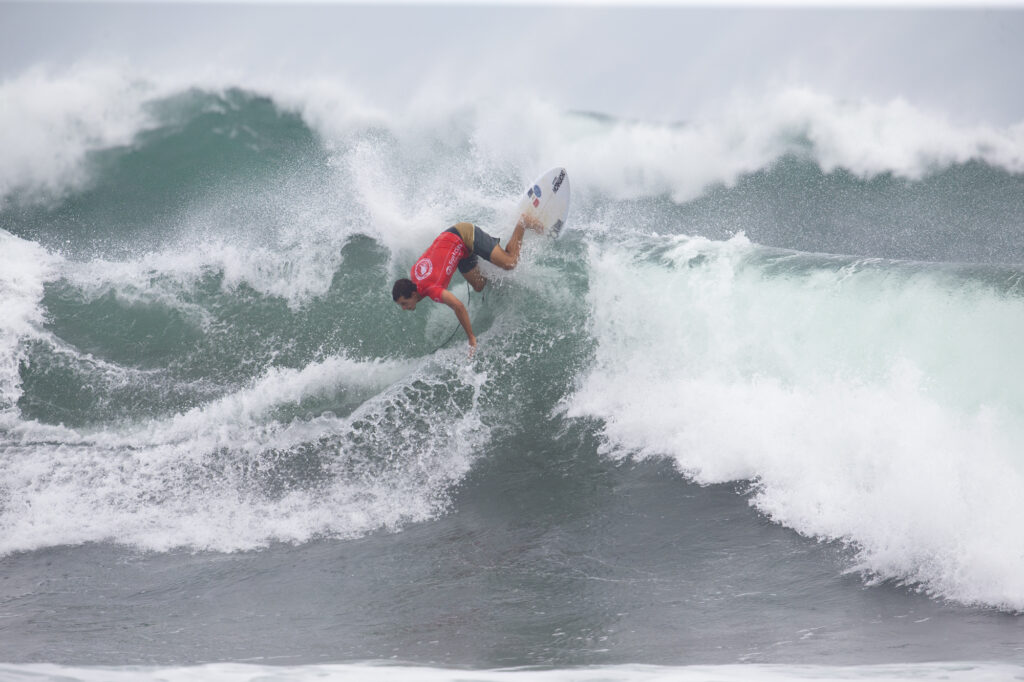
(758, 413)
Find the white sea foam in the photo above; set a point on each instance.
(385, 672)
(415, 165)
(295, 273)
(50, 120)
(630, 159)
(625, 159)
(193, 480)
(871, 404)
(24, 269)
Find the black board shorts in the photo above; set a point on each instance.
(477, 241)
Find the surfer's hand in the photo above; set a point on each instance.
(529, 221)
(472, 346)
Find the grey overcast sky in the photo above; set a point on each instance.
(656, 62)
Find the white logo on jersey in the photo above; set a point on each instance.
(423, 268)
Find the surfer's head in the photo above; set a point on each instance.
(404, 294)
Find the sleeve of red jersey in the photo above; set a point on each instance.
(434, 292)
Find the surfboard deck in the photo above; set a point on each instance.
(547, 200)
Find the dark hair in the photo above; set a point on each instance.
(404, 288)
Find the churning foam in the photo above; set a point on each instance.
(24, 269)
(387, 672)
(234, 475)
(871, 403)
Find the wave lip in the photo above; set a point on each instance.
(838, 389)
(633, 159)
(50, 122)
(55, 119)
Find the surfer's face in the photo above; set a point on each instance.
(407, 303)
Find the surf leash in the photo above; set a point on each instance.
(469, 293)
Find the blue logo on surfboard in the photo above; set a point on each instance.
(534, 193)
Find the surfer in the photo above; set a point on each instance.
(459, 246)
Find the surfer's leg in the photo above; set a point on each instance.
(471, 272)
(475, 278)
(508, 257)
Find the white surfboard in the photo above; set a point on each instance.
(547, 200)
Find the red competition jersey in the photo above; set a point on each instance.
(434, 270)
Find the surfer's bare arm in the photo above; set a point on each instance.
(449, 299)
